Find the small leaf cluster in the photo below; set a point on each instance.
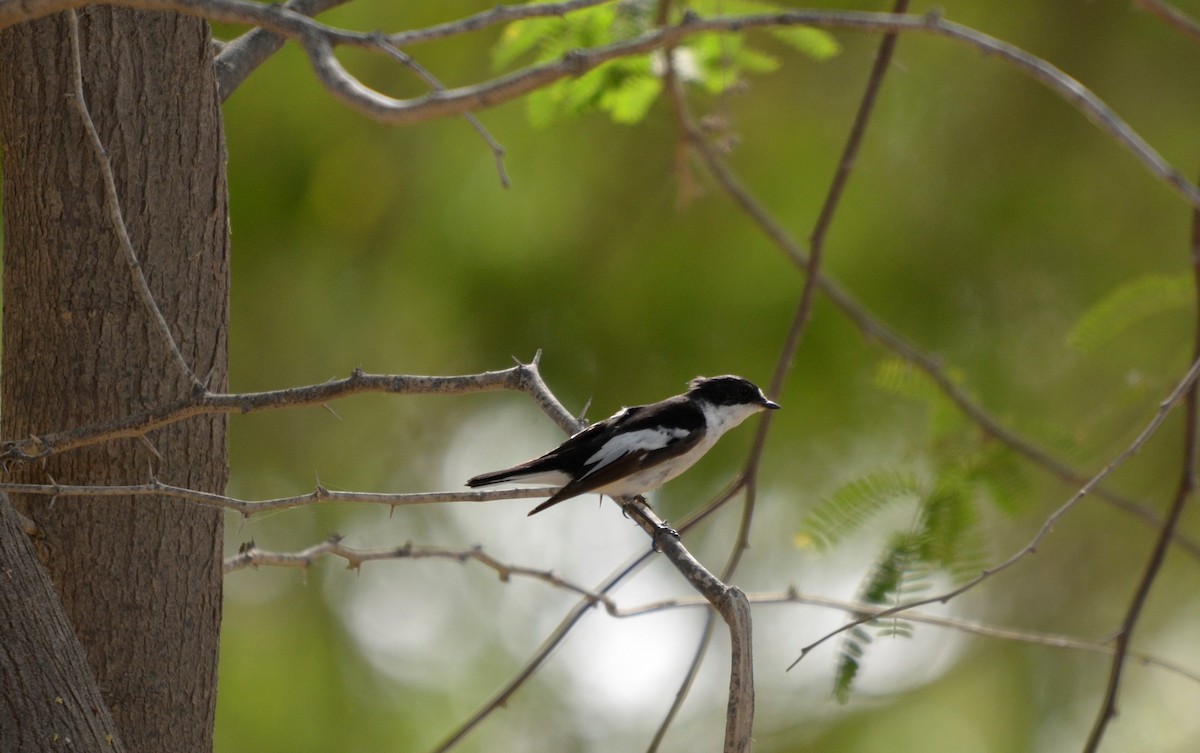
(625, 89)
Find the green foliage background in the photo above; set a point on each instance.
(986, 220)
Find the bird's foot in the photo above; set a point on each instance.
(662, 529)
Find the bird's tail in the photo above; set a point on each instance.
(495, 477)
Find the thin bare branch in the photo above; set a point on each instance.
(539, 657)
(1183, 493)
(520, 378)
(318, 41)
(793, 596)
(408, 62)
(113, 206)
(251, 556)
(247, 508)
(1172, 16)
(1048, 525)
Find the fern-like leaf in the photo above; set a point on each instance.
(853, 504)
(1129, 305)
(885, 581)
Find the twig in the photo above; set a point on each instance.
(408, 62)
(113, 205)
(1047, 526)
(247, 508)
(1187, 485)
(1172, 16)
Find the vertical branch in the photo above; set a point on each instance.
(1187, 485)
(812, 283)
(858, 129)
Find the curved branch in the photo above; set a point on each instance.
(240, 57)
(318, 40)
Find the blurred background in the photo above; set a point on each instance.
(986, 221)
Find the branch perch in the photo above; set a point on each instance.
(520, 378)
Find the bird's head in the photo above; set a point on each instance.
(730, 391)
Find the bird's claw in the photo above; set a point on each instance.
(663, 530)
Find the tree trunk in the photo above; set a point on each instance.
(49, 704)
(139, 579)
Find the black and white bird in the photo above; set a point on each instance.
(640, 448)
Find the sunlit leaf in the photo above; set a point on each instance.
(816, 43)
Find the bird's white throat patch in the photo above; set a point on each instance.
(721, 418)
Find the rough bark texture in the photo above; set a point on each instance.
(45, 705)
(140, 580)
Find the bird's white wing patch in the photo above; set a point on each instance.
(642, 440)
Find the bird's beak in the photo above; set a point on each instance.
(771, 405)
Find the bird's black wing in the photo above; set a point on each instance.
(633, 440)
(570, 455)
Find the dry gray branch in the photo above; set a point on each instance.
(318, 41)
(247, 508)
(974, 627)
(251, 556)
(520, 378)
(238, 58)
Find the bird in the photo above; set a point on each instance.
(640, 448)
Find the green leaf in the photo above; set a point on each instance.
(630, 101)
(816, 43)
(890, 571)
(854, 503)
(1128, 305)
(551, 38)
(900, 377)
(948, 514)
(885, 580)
(521, 38)
(996, 471)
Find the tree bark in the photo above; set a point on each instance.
(48, 704)
(140, 580)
